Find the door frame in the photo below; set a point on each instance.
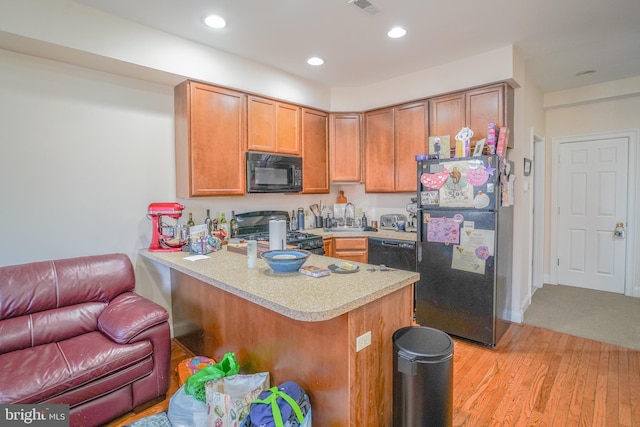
(537, 203)
(632, 208)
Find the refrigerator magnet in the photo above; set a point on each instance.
(481, 201)
(477, 177)
(490, 169)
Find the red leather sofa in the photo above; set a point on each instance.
(73, 331)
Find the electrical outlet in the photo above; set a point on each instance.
(363, 341)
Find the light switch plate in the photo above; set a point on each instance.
(363, 341)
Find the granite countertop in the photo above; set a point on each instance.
(294, 295)
(381, 234)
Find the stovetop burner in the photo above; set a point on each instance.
(255, 225)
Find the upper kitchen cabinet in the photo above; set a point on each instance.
(447, 116)
(411, 138)
(273, 127)
(345, 130)
(210, 140)
(487, 105)
(315, 152)
(379, 153)
(393, 137)
(475, 108)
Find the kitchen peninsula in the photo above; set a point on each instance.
(297, 327)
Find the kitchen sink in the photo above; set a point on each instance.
(344, 228)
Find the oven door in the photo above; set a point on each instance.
(273, 173)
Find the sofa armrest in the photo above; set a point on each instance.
(128, 315)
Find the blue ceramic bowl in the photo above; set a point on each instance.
(285, 260)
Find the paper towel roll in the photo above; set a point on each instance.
(277, 234)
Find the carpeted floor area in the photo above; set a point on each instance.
(597, 315)
(157, 420)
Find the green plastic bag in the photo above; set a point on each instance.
(195, 384)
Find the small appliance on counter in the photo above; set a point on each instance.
(395, 222)
(164, 237)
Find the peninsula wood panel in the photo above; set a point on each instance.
(318, 356)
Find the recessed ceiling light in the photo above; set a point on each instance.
(315, 61)
(585, 73)
(397, 32)
(215, 21)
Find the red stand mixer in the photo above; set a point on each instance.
(162, 241)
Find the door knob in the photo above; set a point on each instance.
(618, 232)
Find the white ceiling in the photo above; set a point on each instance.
(557, 38)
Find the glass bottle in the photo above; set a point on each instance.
(208, 222)
(293, 222)
(223, 224)
(190, 223)
(233, 224)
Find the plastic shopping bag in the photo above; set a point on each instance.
(186, 411)
(195, 383)
(228, 399)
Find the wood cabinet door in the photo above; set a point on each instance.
(344, 146)
(483, 106)
(411, 130)
(261, 124)
(447, 116)
(288, 129)
(328, 247)
(351, 248)
(379, 151)
(210, 141)
(315, 152)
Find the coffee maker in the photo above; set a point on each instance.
(164, 238)
(412, 221)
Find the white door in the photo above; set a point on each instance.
(592, 192)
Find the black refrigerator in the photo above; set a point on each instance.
(465, 229)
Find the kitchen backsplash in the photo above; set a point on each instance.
(373, 205)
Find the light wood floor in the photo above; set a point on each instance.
(534, 377)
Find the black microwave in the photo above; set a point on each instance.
(273, 173)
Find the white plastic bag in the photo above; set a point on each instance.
(187, 411)
(228, 398)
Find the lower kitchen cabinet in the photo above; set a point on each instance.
(350, 248)
(328, 246)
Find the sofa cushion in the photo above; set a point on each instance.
(49, 326)
(45, 285)
(128, 315)
(39, 373)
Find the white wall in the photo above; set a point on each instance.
(83, 153)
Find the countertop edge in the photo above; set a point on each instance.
(305, 316)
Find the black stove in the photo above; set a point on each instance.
(255, 225)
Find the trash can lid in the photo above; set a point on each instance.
(424, 343)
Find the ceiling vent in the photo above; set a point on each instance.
(367, 6)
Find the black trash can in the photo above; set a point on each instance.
(422, 377)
